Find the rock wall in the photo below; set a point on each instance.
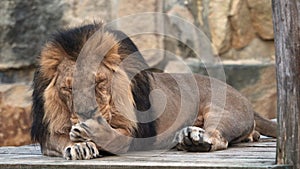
(15, 106)
(240, 32)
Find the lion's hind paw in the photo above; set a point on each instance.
(192, 139)
(81, 151)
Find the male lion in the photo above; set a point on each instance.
(135, 109)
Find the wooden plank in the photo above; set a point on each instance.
(244, 155)
(286, 19)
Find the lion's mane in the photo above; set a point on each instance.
(52, 114)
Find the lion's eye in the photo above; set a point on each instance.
(68, 89)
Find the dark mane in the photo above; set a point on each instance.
(136, 65)
(72, 41)
(38, 128)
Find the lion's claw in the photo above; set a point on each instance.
(81, 151)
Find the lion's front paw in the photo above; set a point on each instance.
(78, 134)
(192, 139)
(81, 151)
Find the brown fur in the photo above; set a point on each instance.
(118, 97)
(57, 66)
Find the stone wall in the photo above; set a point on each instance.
(240, 31)
(15, 105)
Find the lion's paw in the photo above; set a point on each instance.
(81, 151)
(192, 139)
(78, 134)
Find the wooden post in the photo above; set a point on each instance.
(286, 20)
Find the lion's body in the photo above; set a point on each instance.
(131, 103)
(235, 107)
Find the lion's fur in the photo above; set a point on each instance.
(51, 113)
(56, 113)
(121, 88)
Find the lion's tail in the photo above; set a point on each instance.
(265, 126)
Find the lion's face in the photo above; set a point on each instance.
(102, 86)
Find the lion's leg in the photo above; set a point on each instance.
(61, 145)
(206, 137)
(99, 132)
(55, 144)
(191, 138)
(79, 146)
(196, 139)
(219, 128)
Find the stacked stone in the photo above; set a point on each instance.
(241, 33)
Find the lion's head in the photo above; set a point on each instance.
(53, 96)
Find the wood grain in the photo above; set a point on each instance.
(286, 20)
(244, 155)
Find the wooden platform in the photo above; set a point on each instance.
(243, 155)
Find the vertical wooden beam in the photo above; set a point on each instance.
(286, 20)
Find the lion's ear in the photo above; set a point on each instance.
(112, 59)
(50, 57)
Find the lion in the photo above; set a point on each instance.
(135, 108)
